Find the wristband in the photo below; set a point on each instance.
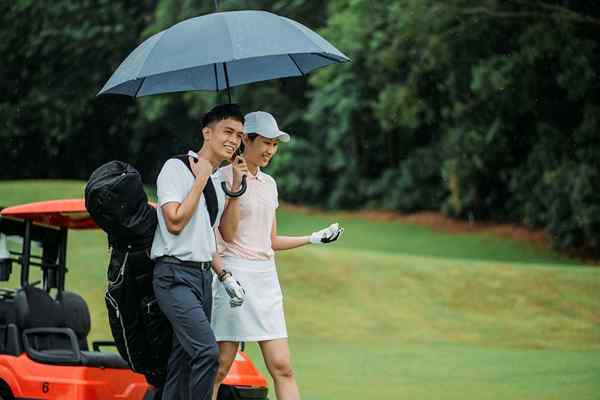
(221, 275)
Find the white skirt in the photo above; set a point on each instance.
(261, 316)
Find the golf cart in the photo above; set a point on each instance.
(44, 350)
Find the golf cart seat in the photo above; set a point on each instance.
(77, 317)
(56, 332)
(9, 337)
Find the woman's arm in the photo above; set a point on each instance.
(328, 235)
(230, 219)
(286, 242)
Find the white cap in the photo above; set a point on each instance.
(264, 124)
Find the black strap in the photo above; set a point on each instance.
(210, 195)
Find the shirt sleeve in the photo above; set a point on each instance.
(276, 194)
(170, 184)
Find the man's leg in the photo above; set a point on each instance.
(178, 372)
(276, 354)
(178, 364)
(227, 352)
(180, 296)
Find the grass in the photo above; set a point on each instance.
(398, 238)
(396, 310)
(28, 191)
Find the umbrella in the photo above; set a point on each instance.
(219, 51)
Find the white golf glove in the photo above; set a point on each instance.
(235, 291)
(330, 234)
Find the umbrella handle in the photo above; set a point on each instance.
(239, 192)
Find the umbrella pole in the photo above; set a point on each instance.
(227, 81)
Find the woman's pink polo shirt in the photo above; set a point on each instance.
(257, 212)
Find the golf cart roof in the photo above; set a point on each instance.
(68, 213)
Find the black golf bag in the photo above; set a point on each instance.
(115, 198)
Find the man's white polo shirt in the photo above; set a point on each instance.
(196, 242)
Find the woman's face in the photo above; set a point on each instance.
(260, 150)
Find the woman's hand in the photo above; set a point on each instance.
(328, 235)
(240, 168)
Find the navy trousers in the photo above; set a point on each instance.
(184, 294)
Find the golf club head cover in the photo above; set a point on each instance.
(235, 291)
(328, 235)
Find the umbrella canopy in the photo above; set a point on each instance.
(221, 50)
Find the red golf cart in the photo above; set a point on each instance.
(44, 350)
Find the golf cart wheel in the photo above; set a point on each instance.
(5, 393)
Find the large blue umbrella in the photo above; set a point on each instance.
(221, 50)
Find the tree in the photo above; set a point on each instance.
(55, 58)
(486, 111)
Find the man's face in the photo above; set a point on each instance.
(224, 137)
(260, 150)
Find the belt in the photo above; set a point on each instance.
(203, 265)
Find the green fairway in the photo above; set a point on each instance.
(393, 237)
(400, 311)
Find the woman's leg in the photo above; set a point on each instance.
(227, 352)
(276, 354)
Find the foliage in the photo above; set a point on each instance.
(55, 56)
(504, 94)
(485, 110)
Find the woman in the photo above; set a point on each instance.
(248, 254)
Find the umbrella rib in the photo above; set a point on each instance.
(139, 87)
(151, 51)
(327, 57)
(227, 81)
(216, 77)
(296, 64)
(226, 25)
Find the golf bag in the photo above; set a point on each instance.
(115, 198)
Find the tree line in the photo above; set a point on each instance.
(484, 110)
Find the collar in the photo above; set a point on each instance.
(194, 155)
(260, 176)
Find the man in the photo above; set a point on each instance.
(190, 205)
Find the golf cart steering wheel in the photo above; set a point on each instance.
(239, 192)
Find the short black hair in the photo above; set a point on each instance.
(221, 112)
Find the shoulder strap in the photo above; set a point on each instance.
(210, 195)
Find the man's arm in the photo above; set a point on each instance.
(217, 264)
(234, 290)
(177, 215)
